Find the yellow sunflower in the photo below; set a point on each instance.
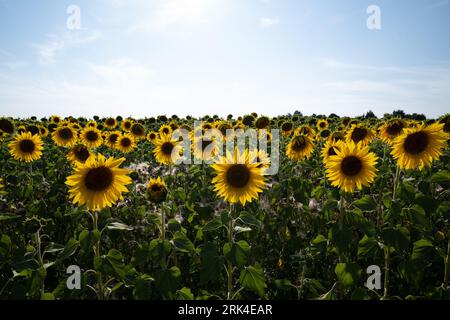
(125, 143)
(26, 147)
(418, 147)
(110, 123)
(91, 124)
(98, 183)
(64, 136)
(352, 166)
(111, 138)
(306, 130)
(91, 137)
(126, 124)
(238, 180)
(359, 133)
(446, 121)
(43, 131)
(286, 128)
(329, 149)
(165, 130)
(205, 148)
(78, 154)
(152, 136)
(167, 151)
(322, 124)
(392, 129)
(156, 190)
(55, 119)
(300, 147)
(138, 131)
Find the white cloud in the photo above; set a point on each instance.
(265, 22)
(48, 50)
(169, 13)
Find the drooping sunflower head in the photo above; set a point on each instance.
(126, 124)
(322, 124)
(111, 138)
(167, 151)
(306, 130)
(418, 147)
(262, 122)
(248, 120)
(33, 129)
(330, 147)
(110, 123)
(286, 128)
(78, 154)
(391, 129)
(26, 147)
(98, 183)
(337, 136)
(138, 131)
(352, 167)
(300, 147)
(360, 134)
(126, 143)
(91, 137)
(156, 190)
(6, 126)
(237, 179)
(152, 136)
(64, 136)
(445, 120)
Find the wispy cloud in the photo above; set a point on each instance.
(48, 50)
(266, 22)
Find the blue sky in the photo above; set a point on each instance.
(150, 57)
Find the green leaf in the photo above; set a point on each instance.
(213, 224)
(422, 250)
(237, 254)
(348, 273)
(119, 226)
(366, 203)
(47, 296)
(249, 219)
(159, 249)
(397, 237)
(367, 247)
(211, 261)
(115, 258)
(167, 281)
(406, 192)
(182, 243)
(252, 278)
(88, 239)
(69, 249)
(185, 294)
(319, 243)
(441, 177)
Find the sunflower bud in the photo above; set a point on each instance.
(156, 190)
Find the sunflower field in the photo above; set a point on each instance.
(108, 198)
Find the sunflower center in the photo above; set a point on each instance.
(322, 124)
(238, 175)
(416, 143)
(165, 130)
(394, 129)
(351, 166)
(331, 151)
(65, 134)
(156, 187)
(125, 142)
(113, 138)
(167, 148)
(137, 130)
(359, 134)
(110, 122)
(98, 179)
(287, 126)
(27, 146)
(299, 144)
(82, 154)
(6, 126)
(92, 136)
(152, 136)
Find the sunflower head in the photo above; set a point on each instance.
(26, 147)
(306, 130)
(156, 190)
(352, 167)
(64, 136)
(138, 131)
(391, 129)
(330, 147)
(360, 134)
(237, 179)
(416, 148)
(91, 137)
(91, 124)
(112, 138)
(300, 147)
(166, 150)
(152, 136)
(98, 183)
(286, 128)
(322, 124)
(6, 126)
(110, 123)
(55, 119)
(78, 154)
(165, 130)
(43, 131)
(126, 143)
(126, 124)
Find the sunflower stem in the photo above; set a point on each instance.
(447, 262)
(395, 186)
(229, 265)
(97, 251)
(387, 261)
